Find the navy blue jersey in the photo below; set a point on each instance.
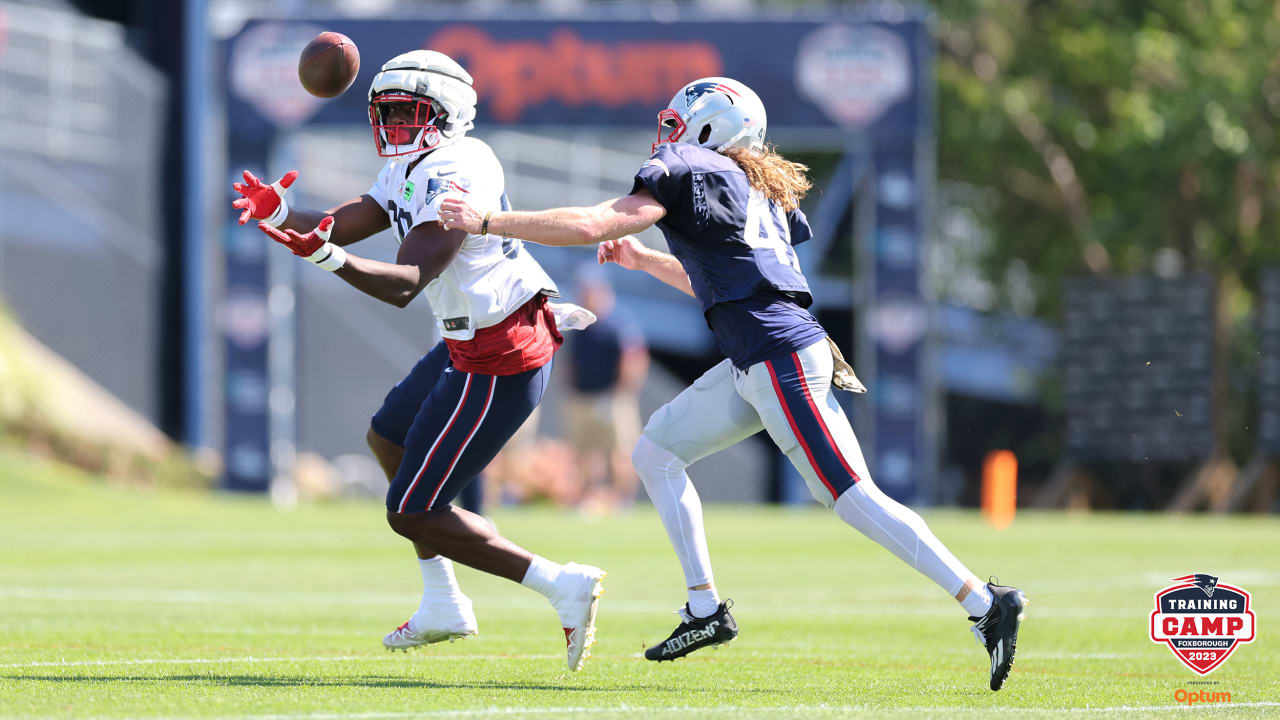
(737, 248)
(765, 326)
(597, 352)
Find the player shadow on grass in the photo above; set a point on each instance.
(367, 682)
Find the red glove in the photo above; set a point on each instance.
(263, 202)
(314, 246)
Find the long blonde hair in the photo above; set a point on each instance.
(781, 180)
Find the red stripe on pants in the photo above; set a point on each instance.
(795, 430)
(493, 383)
(466, 390)
(821, 423)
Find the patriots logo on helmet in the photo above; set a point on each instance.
(697, 90)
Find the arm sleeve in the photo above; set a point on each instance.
(665, 176)
(800, 230)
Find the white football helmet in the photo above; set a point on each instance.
(435, 89)
(713, 112)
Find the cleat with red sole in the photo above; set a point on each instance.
(582, 588)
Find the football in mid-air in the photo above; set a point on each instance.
(328, 64)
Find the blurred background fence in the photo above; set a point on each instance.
(83, 252)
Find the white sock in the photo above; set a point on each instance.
(977, 602)
(677, 504)
(902, 532)
(439, 586)
(541, 576)
(703, 603)
(438, 580)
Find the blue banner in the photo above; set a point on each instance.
(605, 73)
(897, 324)
(869, 80)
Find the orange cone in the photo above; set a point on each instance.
(1000, 488)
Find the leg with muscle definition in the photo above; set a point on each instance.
(444, 611)
(464, 422)
(389, 456)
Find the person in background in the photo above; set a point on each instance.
(608, 363)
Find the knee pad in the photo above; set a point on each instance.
(653, 462)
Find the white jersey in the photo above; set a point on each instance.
(492, 276)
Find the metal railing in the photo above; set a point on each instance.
(81, 250)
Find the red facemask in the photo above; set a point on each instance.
(391, 137)
(670, 128)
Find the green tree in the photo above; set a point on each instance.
(1120, 136)
(1113, 132)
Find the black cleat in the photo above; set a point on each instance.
(997, 631)
(696, 633)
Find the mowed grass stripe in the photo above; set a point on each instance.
(117, 603)
(215, 597)
(423, 656)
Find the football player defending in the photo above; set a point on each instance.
(440, 426)
(727, 205)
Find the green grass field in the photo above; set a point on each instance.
(120, 603)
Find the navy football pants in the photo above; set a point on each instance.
(459, 424)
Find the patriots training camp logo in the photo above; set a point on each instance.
(1202, 621)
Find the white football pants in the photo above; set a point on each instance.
(790, 398)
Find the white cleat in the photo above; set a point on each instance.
(441, 621)
(578, 595)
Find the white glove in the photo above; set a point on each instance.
(571, 317)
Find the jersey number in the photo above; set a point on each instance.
(400, 219)
(403, 222)
(767, 228)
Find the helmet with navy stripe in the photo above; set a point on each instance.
(419, 101)
(716, 113)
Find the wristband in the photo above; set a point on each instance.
(329, 257)
(484, 226)
(282, 210)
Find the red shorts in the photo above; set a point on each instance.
(524, 340)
